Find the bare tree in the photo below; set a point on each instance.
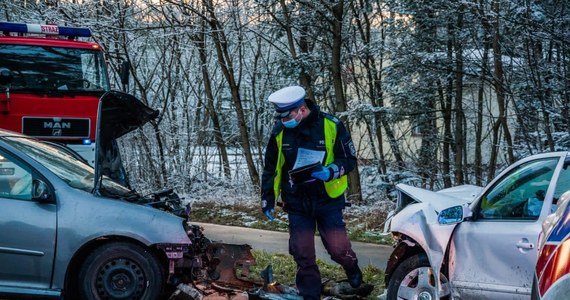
(371, 59)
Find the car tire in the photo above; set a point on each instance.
(413, 279)
(121, 270)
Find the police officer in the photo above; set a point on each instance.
(304, 135)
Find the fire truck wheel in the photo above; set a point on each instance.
(121, 270)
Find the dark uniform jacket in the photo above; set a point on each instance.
(309, 134)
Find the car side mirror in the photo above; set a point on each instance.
(41, 192)
(453, 215)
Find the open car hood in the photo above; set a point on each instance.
(119, 113)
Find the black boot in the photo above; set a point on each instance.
(355, 278)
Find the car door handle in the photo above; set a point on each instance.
(525, 244)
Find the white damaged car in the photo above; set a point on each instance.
(469, 242)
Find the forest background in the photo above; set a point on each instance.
(435, 93)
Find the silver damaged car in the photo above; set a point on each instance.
(469, 242)
(70, 230)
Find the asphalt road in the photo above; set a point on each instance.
(273, 241)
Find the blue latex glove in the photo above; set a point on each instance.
(269, 214)
(323, 174)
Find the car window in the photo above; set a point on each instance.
(63, 164)
(15, 179)
(520, 193)
(563, 183)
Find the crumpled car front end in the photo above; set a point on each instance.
(420, 241)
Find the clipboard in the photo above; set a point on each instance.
(303, 174)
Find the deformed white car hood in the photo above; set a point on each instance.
(425, 212)
(443, 198)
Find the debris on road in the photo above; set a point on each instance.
(225, 273)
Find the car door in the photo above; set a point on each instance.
(493, 255)
(27, 230)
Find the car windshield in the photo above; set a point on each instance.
(74, 172)
(43, 68)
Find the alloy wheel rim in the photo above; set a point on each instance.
(420, 284)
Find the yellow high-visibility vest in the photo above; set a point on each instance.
(335, 187)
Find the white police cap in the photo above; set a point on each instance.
(287, 99)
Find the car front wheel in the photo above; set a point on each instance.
(413, 279)
(121, 271)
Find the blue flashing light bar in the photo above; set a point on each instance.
(87, 142)
(44, 29)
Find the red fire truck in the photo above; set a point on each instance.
(50, 83)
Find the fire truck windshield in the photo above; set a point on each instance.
(45, 69)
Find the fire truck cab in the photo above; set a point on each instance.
(50, 84)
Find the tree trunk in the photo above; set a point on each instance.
(499, 84)
(226, 65)
(354, 191)
(200, 42)
(459, 114)
(446, 105)
(304, 45)
(478, 160)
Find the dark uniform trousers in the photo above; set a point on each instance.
(333, 234)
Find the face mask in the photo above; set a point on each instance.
(293, 122)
